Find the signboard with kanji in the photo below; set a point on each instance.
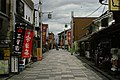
(7, 54)
(69, 37)
(18, 40)
(14, 64)
(27, 46)
(44, 31)
(114, 5)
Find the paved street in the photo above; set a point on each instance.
(59, 65)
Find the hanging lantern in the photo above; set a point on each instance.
(66, 25)
(49, 16)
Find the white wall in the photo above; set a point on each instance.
(14, 5)
(28, 12)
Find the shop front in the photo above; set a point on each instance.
(84, 45)
(5, 43)
(22, 44)
(105, 46)
(115, 49)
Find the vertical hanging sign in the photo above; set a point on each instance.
(18, 40)
(69, 38)
(44, 28)
(27, 46)
(14, 64)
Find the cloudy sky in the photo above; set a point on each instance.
(61, 11)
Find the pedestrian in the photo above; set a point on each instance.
(57, 47)
(72, 49)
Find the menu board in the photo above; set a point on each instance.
(4, 67)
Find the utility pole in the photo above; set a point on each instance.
(39, 49)
(64, 39)
(72, 23)
(40, 24)
(12, 24)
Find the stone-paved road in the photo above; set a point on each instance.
(59, 65)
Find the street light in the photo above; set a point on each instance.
(72, 15)
(40, 17)
(49, 16)
(39, 50)
(101, 1)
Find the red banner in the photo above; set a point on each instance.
(69, 37)
(27, 45)
(44, 31)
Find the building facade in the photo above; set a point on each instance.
(101, 45)
(64, 39)
(5, 41)
(79, 23)
(14, 22)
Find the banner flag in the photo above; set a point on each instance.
(69, 37)
(27, 46)
(44, 31)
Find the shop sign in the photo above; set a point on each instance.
(14, 64)
(27, 46)
(7, 54)
(69, 37)
(39, 54)
(44, 30)
(114, 5)
(18, 41)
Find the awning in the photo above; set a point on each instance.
(85, 38)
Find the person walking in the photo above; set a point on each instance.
(72, 49)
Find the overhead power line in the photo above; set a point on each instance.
(94, 11)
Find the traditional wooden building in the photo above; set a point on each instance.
(64, 39)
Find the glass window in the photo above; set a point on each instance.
(3, 6)
(20, 7)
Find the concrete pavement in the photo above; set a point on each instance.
(58, 65)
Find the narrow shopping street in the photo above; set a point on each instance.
(58, 65)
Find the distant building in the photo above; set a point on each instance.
(64, 38)
(79, 23)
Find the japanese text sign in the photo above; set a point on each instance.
(69, 37)
(27, 46)
(18, 40)
(44, 30)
